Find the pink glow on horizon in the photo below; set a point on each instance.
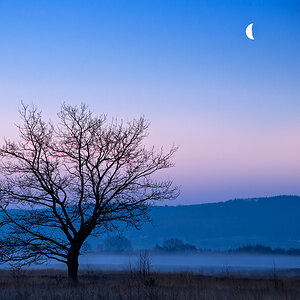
(225, 161)
(218, 159)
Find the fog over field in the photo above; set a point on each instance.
(196, 262)
(206, 263)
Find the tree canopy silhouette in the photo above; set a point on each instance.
(80, 177)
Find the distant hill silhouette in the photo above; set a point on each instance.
(272, 221)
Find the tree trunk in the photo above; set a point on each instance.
(73, 266)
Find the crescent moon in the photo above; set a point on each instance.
(249, 32)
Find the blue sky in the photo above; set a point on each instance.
(232, 104)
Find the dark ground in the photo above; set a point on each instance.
(53, 284)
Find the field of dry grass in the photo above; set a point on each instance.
(52, 284)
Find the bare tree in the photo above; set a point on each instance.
(81, 177)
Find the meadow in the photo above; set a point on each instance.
(53, 284)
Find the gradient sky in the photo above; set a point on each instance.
(232, 104)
